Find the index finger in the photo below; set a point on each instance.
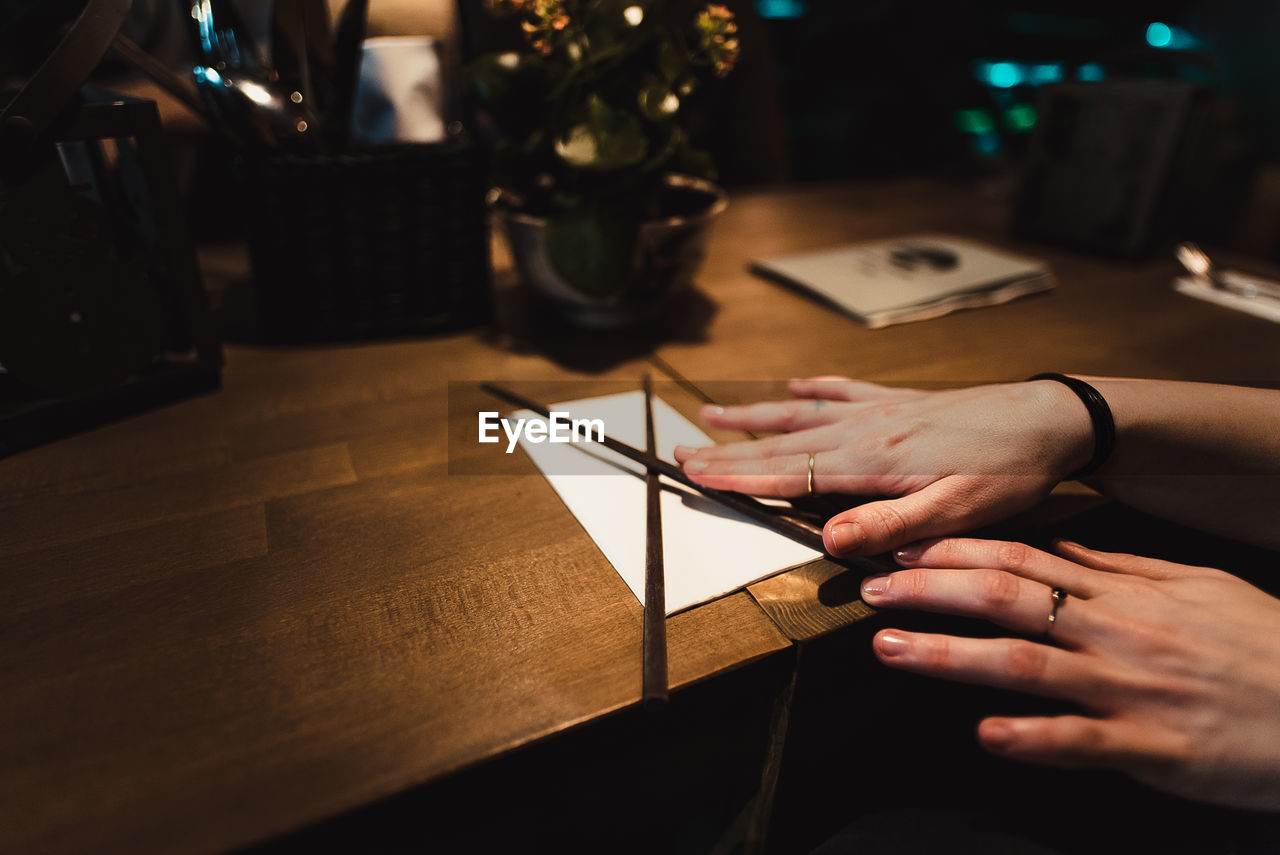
(1011, 556)
(836, 388)
(784, 416)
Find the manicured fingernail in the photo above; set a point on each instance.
(876, 586)
(712, 410)
(695, 466)
(892, 645)
(910, 552)
(845, 537)
(997, 735)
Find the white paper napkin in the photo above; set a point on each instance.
(708, 551)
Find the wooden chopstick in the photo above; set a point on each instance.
(688, 385)
(817, 508)
(654, 680)
(745, 505)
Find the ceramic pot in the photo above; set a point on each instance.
(665, 254)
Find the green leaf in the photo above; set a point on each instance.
(603, 140)
(592, 248)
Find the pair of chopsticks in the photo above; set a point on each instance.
(767, 516)
(655, 693)
(655, 690)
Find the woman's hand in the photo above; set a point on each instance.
(1176, 668)
(955, 459)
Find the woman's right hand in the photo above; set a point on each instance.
(950, 460)
(1175, 669)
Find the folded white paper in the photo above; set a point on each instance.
(708, 550)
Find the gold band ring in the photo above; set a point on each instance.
(1057, 595)
(809, 489)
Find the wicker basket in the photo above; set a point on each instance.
(386, 242)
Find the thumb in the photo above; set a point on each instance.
(944, 507)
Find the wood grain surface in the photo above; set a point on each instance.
(242, 614)
(247, 612)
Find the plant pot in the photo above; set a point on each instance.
(663, 257)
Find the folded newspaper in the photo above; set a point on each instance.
(910, 278)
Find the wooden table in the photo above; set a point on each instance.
(246, 613)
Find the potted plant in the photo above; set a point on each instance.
(604, 201)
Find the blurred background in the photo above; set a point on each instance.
(830, 90)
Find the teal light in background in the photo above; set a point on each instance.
(1045, 72)
(1091, 72)
(1002, 75)
(1020, 118)
(974, 122)
(781, 10)
(980, 127)
(206, 74)
(1005, 74)
(1159, 35)
(1168, 37)
(986, 144)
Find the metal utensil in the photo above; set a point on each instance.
(1198, 264)
(256, 108)
(236, 82)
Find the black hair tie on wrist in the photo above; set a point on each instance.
(1104, 425)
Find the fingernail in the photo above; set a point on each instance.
(997, 735)
(687, 450)
(713, 410)
(876, 586)
(910, 552)
(695, 466)
(892, 645)
(845, 537)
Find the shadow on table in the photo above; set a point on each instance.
(524, 324)
(519, 322)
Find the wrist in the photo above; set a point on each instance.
(1070, 432)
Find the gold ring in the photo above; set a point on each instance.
(809, 489)
(1058, 595)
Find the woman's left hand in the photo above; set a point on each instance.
(1176, 668)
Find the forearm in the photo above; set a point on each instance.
(1201, 454)
(1204, 455)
